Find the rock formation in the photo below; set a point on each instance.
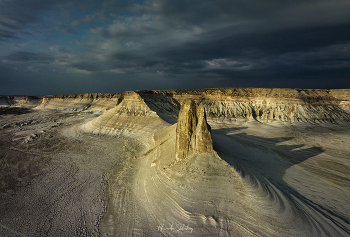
(192, 132)
(262, 104)
(130, 103)
(131, 117)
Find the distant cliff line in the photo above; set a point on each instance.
(340, 94)
(261, 104)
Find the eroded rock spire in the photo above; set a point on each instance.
(192, 132)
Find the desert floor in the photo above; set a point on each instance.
(60, 177)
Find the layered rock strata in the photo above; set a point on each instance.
(130, 103)
(221, 104)
(80, 102)
(192, 132)
(131, 117)
(272, 104)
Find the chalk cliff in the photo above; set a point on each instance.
(272, 104)
(192, 131)
(261, 104)
(80, 102)
(130, 117)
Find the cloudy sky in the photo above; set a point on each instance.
(83, 46)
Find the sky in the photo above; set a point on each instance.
(87, 46)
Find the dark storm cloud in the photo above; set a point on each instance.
(7, 34)
(299, 43)
(258, 44)
(30, 57)
(16, 15)
(86, 66)
(233, 30)
(226, 11)
(244, 50)
(65, 28)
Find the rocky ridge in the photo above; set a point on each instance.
(261, 104)
(80, 102)
(130, 117)
(272, 104)
(130, 103)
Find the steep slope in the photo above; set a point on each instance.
(131, 117)
(80, 102)
(162, 103)
(266, 105)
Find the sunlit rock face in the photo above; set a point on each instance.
(130, 103)
(192, 131)
(131, 117)
(271, 104)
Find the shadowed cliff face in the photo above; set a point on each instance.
(192, 131)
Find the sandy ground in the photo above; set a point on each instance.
(53, 179)
(83, 174)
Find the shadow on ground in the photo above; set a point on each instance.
(261, 159)
(167, 108)
(261, 150)
(14, 110)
